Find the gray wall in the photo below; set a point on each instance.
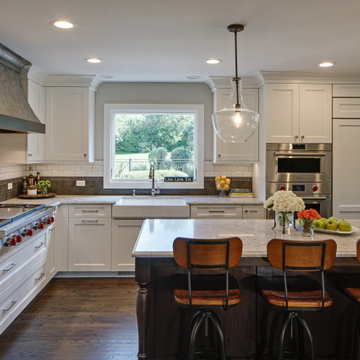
(152, 93)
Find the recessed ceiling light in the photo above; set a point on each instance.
(326, 64)
(63, 24)
(213, 61)
(93, 60)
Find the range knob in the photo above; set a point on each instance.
(18, 238)
(29, 232)
(48, 221)
(41, 226)
(13, 241)
(52, 219)
(315, 188)
(282, 187)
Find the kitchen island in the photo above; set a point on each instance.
(162, 324)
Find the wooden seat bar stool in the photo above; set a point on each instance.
(354, 293)
(299, 256)
(209, 285)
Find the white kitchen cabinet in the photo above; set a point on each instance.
(89, 246)
(346, 170)
(69, 123)
(346, 108)
(124, 235)
(36, 142)
(50, 266)
(253, 212)
(236, 152)
(298, 113)
(346, 90)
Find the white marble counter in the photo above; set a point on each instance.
(112, 199)
(157, 235)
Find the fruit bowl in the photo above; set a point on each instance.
(222, 184)
(337, 232)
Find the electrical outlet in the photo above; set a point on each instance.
(80, 182)
(10, 186)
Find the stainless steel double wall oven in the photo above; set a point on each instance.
(305, 169)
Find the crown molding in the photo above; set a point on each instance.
(91, 81)
(265, 77)
(34, 74)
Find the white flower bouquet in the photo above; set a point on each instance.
(284, 203)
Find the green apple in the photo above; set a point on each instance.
(333, 218)
(318, 224)
(331, 224)
(344, 225)
(324, 220)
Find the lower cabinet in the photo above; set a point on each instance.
(124, 235)
(89, 244)
(227, 211)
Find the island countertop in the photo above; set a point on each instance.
(157, 235)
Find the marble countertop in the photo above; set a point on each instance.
(112, 199)
(157, 235)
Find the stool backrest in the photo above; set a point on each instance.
(218, 255)
(302, 256)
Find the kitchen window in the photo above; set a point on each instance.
(170, 136)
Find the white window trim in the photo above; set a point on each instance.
(109, 143)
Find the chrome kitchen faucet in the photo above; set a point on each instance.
(154, 190)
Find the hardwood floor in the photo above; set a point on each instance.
(76, 319)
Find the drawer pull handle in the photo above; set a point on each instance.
(40, 245)
(89, 221)
(13, 302)
(216, 211)
(40, 277)
(252, 211)
(9, 267)
(90, 211)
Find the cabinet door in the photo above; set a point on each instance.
(234, 152)
(50, 266)
(346, 170)
(36, 142)
(124, 236)
(315, 113)
(253, 212)
(67, 116)
(282, 113)
(89, 244)
(346, 108)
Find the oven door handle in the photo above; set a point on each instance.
(300, 154)
(314, 197)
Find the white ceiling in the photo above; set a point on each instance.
(167, 40)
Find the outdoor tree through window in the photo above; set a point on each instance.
(167, 138)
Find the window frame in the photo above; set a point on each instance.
(109, 145)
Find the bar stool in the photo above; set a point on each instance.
(298, 256)
(208, 285)
(354, 293)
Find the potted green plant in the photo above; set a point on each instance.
(44, 186)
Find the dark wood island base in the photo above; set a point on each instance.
(162, 324)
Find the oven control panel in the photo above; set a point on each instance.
(301, 189)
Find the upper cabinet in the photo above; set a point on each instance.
(36, 142)
(236, 152)
(298, 113)
(70, 121)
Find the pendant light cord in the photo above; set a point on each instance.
(236, 78)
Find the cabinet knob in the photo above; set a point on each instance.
(296, 137)
(29, 155)
(219, 155)
(84, 155)
(302, 137)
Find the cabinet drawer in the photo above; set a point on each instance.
(346, 108)
(14, 303)
(346, 90)
(15, 266)
(216, 211)
(103, 211)
(253, 212)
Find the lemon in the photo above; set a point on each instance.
(222, 183)
(223, 177)
(228, 181)
(226, 187)
(217, 178)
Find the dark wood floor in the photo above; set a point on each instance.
(76, 319)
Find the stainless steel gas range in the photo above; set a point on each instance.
(305, 169)
(21, 221)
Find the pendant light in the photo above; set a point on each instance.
(235, 122)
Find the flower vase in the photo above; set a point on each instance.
(307, 227)
(284, 220)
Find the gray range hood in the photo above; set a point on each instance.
(16, 115)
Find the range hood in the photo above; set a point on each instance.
(16, 115)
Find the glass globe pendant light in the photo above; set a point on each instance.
(235, 122)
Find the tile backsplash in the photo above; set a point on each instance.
(64, 175)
